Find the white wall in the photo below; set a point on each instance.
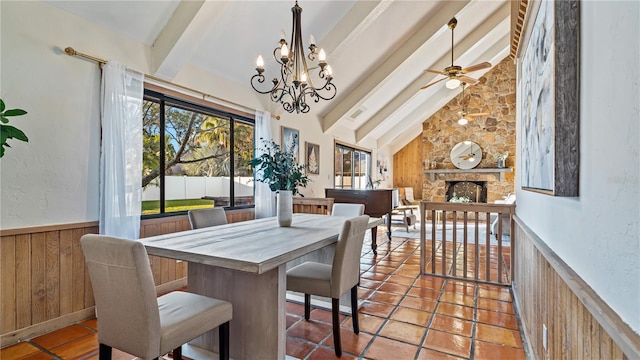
(53, 179)
(597, 233)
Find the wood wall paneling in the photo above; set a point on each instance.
(579, 326)
(8, 267)
(23, 281)
(408, 166)
(44, 283)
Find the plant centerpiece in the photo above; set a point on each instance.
(278, 168)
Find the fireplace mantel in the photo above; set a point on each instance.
(500, 172)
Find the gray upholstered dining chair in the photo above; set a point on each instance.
(334, 280)
(131, 317)
(351, 210)
(201, 218)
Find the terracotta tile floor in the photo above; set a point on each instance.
(403, 315)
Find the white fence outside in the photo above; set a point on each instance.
(195, 187)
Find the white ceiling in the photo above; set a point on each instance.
(377, 49)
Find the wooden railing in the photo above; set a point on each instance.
(309, 205)
(458, 241)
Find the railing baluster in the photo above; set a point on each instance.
(487, 255)
(464, 249)
(443, 244)
(499, 255)
(454, 249)
(433, 241)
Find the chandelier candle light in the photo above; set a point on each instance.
(295, 85)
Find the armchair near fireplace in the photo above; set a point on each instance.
(506, 222)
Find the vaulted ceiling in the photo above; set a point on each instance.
(377, 49)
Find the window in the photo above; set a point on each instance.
(188, 162)
(352, 168)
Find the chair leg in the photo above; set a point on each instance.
(223, 331)
(177, 353)
(335, 311)
(104, 352)
(307, 306)
(354, 309)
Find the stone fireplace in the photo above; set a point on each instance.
(426, 161)
(480, 185)
(476, 191)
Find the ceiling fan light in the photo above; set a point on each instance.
(463, 121)
(452, 83)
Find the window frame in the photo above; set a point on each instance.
(163, 98)
(353, 149)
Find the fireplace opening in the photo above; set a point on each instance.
(476, 191)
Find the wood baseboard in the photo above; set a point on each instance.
(46, 326)
(171, 286)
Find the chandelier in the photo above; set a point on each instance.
(294, 88)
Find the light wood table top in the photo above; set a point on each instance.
(255, 246)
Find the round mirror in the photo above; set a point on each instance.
(466, 155)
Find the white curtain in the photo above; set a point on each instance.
(121, 152)
(265, 200)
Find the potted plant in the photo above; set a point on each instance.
(7, 131)
(278, 168)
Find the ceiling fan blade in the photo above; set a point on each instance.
(476, 67)
(467, 80)
(479, 114)
(435, 71)
(433, 83)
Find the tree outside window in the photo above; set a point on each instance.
(187, 159)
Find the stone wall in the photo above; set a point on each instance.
(495, 93)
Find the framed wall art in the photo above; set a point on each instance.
(548, 66)
(312, 158)
(291, 141)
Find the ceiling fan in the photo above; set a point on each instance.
(456, 74)
(470, 157)
(464, 115)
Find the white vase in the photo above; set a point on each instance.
(285, 207)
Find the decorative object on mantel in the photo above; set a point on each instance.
(8, 132)
(466, 155)
(280, 170)
(295, 82)
(501, 159)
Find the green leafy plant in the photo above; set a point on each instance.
(279, 169)
(7, 131)
(459, 199)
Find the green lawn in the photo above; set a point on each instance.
(153, 207)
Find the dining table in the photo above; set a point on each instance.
(245, 263)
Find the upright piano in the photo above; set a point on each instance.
(377, 203)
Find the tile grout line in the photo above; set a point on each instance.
(386, 319)
(318, 345)
(43, 349)
(474, 328)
